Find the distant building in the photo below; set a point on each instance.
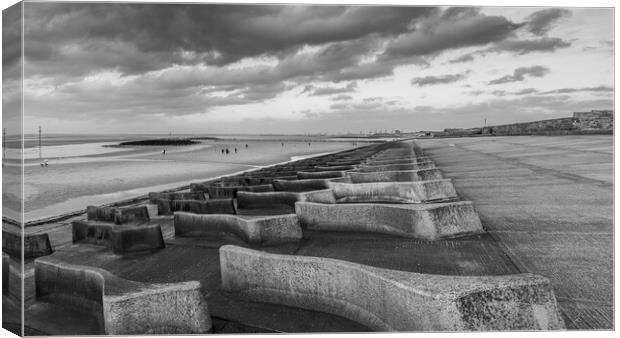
(594, 114)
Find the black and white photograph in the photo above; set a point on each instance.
(198, 168)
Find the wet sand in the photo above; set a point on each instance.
(70, 184)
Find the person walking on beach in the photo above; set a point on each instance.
(235, 150)
(246, 145)
(163, 152)
(227, 151)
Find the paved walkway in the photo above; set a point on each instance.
(548, 200)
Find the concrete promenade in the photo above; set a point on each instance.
(548, 201)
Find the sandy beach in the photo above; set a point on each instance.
(71, 183)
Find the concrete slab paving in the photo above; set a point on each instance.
(548, 200)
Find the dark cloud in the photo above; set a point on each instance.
(528, 91)
(542, 21)
(606, 89)
(441, 79)
(11, 42)
(521, 47)
(525, 91)
(370, 70)
(195, 33)
(456, 28)
(517, 47)
(342, 98)
(318, 91)
(520, 73)
(463, 58)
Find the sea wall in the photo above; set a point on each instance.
(593, 122)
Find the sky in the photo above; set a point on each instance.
(195, 68)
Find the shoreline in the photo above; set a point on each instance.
(143, 197)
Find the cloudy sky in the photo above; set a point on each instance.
(155, 68)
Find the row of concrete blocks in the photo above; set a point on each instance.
(119, 238)
(319, 172)
(423, 221)
(340, 193)
(408, 301)
(389, 188)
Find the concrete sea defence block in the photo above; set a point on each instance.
(211, 206)
(125, 239)
(391, 300)
(120, 238)
(345, 179)
(34, 245)
(193, 195)
(301, 185)
(397, 167)
(281, 199)
(124, 307)
(395, 176)
(342, 162)
(216, 192)
(398, 161)
(336, 167)
(215, 206)
(255, 230)
(92, 232)
(137, 214)
(424, 221)
(320, 174)
(104, 214)
(394, 192)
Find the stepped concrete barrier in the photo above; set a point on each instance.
(194, 195)
(394, 192)
(398, 161)
(126, 239)
(342, 162)
(336, 168)
(397, 167)
(281, 199)
(320, 174)
(125, 215)
(216, 192)
(391, 300)
(395, 176)
(210, 206)
(119, 238)
(345, 179)
(6, 264)
(424, 221)
(264, 230)
(123, 307)
(301, 185)
(34, 245)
